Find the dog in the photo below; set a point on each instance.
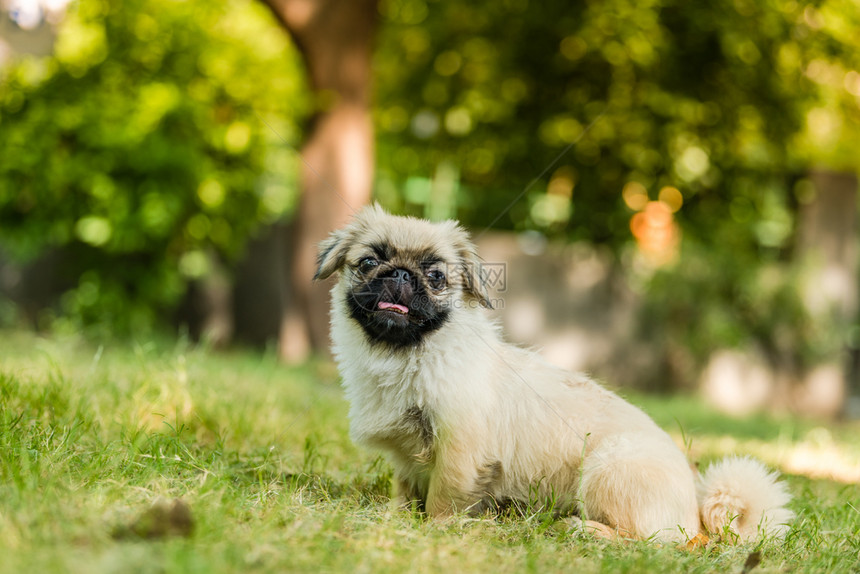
(471, 423)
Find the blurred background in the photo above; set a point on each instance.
(671, 186)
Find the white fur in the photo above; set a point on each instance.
(551, 432)
(741, 495)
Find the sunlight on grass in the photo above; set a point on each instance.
(816, 456)
(794, 446)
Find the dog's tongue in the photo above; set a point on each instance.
(394, 306)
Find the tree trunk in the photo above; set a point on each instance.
(335, 38)
(828, 248)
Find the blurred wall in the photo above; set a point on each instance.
(572, 304)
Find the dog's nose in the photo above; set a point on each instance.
(400, 276)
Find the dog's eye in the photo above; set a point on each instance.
(366, 264)
(436, 278)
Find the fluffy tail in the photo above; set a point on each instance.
(740, 498)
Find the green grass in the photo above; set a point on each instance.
(91, 436)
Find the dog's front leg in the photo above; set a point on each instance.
(408, 495)
(459, 484)
(449, 491)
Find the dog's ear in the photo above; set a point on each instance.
(332, 251)
(332, 254)
(471, 269)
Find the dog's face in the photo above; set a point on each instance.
(402, 278)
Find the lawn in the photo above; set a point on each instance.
(92, 436)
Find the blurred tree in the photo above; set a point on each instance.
(697, 97)
(335, 39)
(138, 150)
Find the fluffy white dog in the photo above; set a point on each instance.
(471, 422)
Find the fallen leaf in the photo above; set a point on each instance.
(162, 520)
(700, 540)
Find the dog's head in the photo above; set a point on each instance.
(401, 277)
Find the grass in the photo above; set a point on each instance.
(91, 436)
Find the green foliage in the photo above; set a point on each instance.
(91, 437)
(536, 115)
(710, 99)
(142, 149)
